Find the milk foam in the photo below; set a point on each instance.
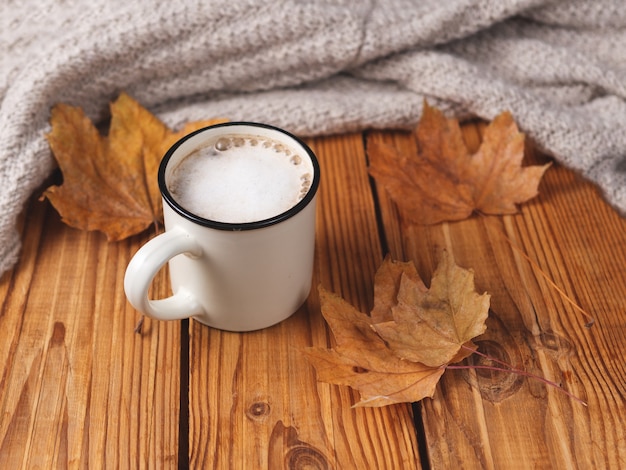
(239, 179)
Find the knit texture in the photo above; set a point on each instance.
(316, 67)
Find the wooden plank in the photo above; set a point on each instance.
(78, 387)
(253, 398)
(479, 419)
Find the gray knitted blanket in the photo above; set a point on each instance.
(316, 67)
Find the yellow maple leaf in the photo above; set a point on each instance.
(362, 361)
(401, 359)
(110, 182)
(431, 325)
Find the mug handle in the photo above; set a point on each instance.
(144, 266)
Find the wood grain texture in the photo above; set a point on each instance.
(78, 387)
(254, 399)
(486, 419)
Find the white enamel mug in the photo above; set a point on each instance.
(238, 276)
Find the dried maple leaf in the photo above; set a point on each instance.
(432, 325)
(386, 287)
(110, 183)
(400, 365)
(362, 361)
(445, 182)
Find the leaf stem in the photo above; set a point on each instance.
(509, 368)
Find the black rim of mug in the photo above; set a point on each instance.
(247, 225)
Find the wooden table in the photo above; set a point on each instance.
(79, 388)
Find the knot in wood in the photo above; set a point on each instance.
(305, 458)
(556, 344)
(495, 385)
(258, 410)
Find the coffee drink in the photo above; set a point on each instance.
(239, 204)
(241, 179)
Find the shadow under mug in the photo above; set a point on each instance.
(231, 276)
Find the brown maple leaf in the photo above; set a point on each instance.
(110, 182)
(386, 287)
(445, 182)
(431, 326)
(362, 361)
(380, 355)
